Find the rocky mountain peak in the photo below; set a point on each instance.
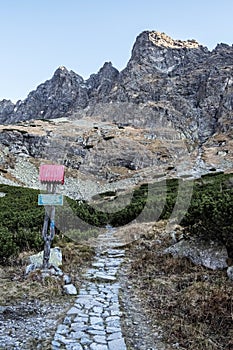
(162, 39)
(165, 81)
(122, 122)
(151, 46)
(65, 75)
(60, 70)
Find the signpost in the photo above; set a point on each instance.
(51, 175)
(50, 199)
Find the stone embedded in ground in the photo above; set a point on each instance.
(213, 256)
(230, 272)
(66, 279)
(73, 311)
(32, 267)
(95, 346)
(117, 344)
(70, 289)
(104, 277)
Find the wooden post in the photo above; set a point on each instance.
(49, 220)
(51, 175)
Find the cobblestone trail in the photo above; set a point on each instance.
(94, 321)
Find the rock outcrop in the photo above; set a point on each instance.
(209, 254)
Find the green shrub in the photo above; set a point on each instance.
(209, 215)
(8, 247)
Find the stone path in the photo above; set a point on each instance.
(94, 321)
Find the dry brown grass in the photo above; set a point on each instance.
(193, 305)
(14, 287)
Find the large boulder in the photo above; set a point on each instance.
(209, 254)
(55, 257)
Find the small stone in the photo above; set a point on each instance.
(62, 329)
(73, 310)
(67, 320)
(70, 289)
(56, 344)
(66, 279)
(230, 272)
(105, 277)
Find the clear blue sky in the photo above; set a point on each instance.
(37, 36)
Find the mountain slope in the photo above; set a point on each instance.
(169, 111)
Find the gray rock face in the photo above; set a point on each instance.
(212, 256)
(61, 95)
(6, 109)
(173, 81)
(170, 109)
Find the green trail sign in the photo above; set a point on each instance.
(50, 199)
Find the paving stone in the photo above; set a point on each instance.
(97, 327)
(56, 344)
(105, 314)
(100, 339)
(112, 319)
(80, 319)
(85, 340)
(95, 346)
(117, 344)
(96, 332)
(77, 334)
(78, 326)
(63, 339)
(114, 336)
(105, 277)
(62, 329)
(98, 309)
(96, 320)
(113, 329)
(67, 320)
(81, 316)
(74, 347)
(74, 310)
(98, 264)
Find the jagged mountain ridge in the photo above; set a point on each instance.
(169, 112)
(179, 81)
